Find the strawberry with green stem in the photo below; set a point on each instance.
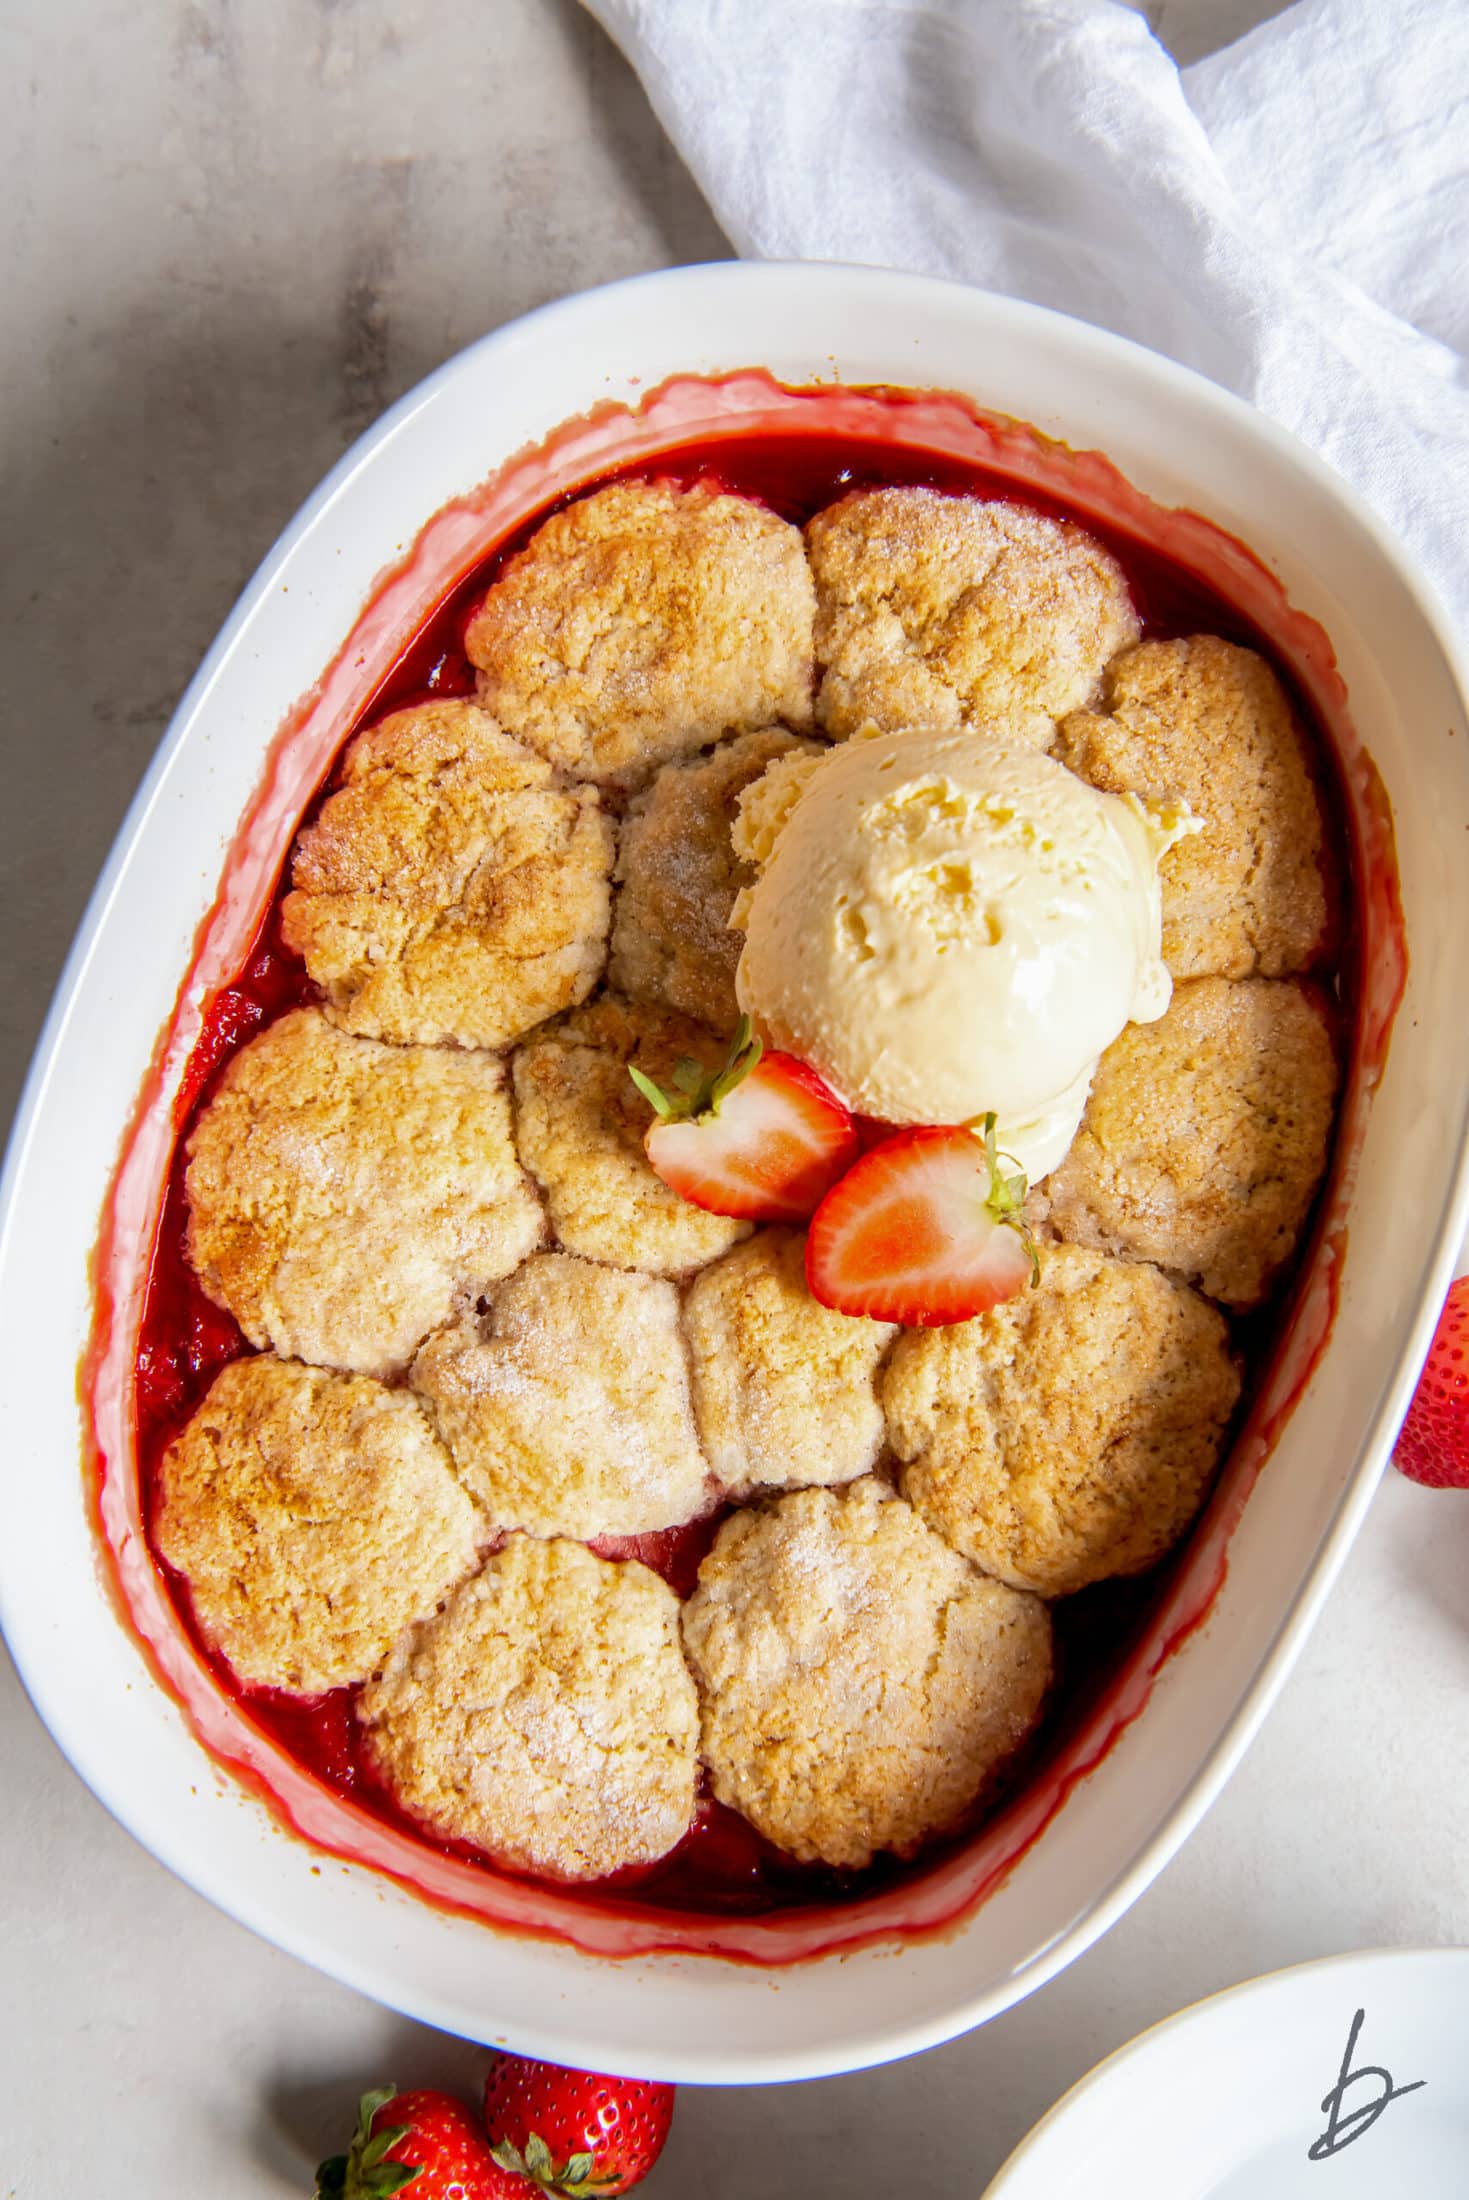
(926, 1229)
(573, 2133)
(559, 2134)
(761, 1137)
(427, 2145)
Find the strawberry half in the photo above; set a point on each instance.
(926, 1229)
(1433, 1443)
(762, 1138)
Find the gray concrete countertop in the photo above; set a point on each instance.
(236, 233)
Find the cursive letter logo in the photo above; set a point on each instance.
(1341, 2128)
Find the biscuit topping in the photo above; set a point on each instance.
(643, 622)
(314, 1517)
(860, 1682)
(566, 1405)
(344, 1195)
(943, 611)
(545, 1715)
(450, 889)
(889, 1128)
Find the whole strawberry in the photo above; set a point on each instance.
(1433, 1443)
(426, 2144)
(573, 2133)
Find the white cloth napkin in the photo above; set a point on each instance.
(1291, 216)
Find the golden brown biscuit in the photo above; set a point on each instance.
(679, 877)
(314, 1517)
(939, 611)
(1206, 1135)
(344, 1195)
(860, 1683)
(643, 622)
(546, 1715)
(785, 1389)
(1210, 722)
(1071, 1433)
(580, 1120)
(566, 1405)
(450, 889)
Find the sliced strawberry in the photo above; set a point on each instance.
(1433, 1443)
(762, 1137)
(924, 1230)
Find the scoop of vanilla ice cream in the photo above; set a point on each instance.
(946, 924)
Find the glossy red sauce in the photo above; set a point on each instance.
(1186, 577)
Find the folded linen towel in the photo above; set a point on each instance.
(1290, 216)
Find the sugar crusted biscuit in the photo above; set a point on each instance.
(1206, 1135)
(344, 1195)
(643, 622)
(679, 877)
(861, 1684)
(450, 889)
(566, 1405)
(938, 611)
(579, 1121)
(785, 1389)
(1071, 1433)
(1208, 721)
(546, 1715)
(314, 1517)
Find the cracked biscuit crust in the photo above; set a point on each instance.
(1210, 722)
(1071, 1433)
(643, 622)
(580, 1121)
(937, 612)
(546, 1715)
(860, 1682)
(679, 877)
(343, 1194)
(314, 1517)
(1206, 1135)
(785, 1389)
(566, 1407)
(450, 889)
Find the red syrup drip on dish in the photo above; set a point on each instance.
(1111, 1640)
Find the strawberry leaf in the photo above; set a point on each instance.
(361, 2173)
(744, 1056)
(576, 2179)
(698, 1092)
(1006, 1196)
(539, 2159)
(657, 1099)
